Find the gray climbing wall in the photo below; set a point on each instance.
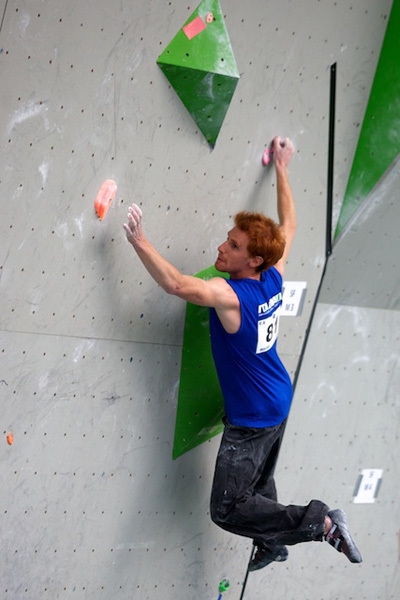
(91, 503)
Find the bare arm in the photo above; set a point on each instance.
(214, 293)
(283, 152)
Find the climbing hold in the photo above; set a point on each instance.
(201, 68)
(105, 196)
(10, 438)
(224, 585)
(266, 157)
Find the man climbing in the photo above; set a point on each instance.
(256, 387)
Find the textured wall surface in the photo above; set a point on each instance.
(91, 503)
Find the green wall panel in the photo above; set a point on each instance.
(379, 141)
(200, 403)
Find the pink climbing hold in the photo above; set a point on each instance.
(266, 157)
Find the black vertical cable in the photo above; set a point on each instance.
(328, 250)
(253, 548)
(331, 154)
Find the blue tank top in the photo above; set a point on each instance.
(256, 387)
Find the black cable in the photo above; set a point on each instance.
(328, 249)
(331, 155)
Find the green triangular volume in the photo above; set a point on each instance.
(202, 69)
(205, 95)
(200, 403)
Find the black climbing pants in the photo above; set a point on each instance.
(244, 498)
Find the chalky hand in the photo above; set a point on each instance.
(283, 151)
(133, 228)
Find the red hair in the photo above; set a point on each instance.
(265, 237)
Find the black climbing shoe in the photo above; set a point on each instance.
(340, 538)
(264, 556)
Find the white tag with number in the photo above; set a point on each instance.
(267, 332)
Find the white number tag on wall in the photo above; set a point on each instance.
(368, 485)
(294, 293)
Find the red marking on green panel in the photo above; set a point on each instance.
(200, 402)
(200, 65)
(379, 141)
(194, 28)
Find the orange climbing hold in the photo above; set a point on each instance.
(105, 196)
(10, 438)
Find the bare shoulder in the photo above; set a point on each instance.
(227, 306)
(223, 293)
(215, 292)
